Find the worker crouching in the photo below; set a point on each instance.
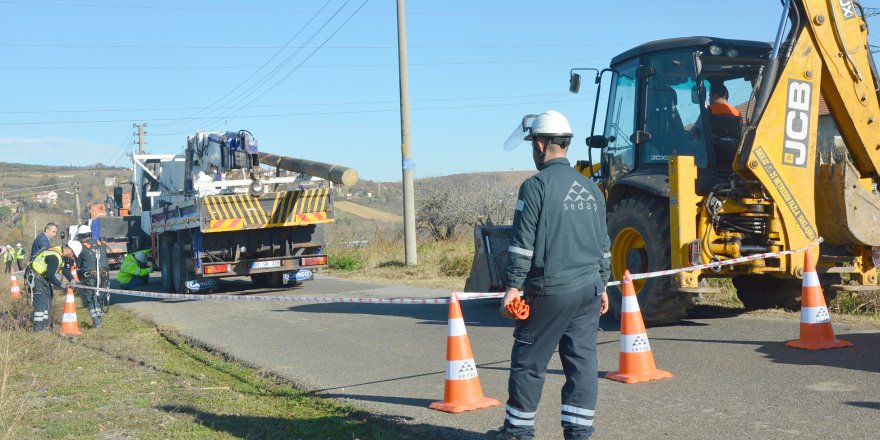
(135, 271)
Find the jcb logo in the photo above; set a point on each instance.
(797, 123)
(849, 11)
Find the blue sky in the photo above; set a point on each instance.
(78, 73)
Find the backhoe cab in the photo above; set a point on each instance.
(689, 181)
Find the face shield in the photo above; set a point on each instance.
(522, 133)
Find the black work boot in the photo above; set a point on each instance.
(501, 434)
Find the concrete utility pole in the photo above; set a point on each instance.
(408, 165)
(78, 215)
(141, 132)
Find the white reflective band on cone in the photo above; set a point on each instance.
(630, 304)
(456, 327)
(811, 279)
(815, 315)
(461, 370)
(68, 317)
(634, 343)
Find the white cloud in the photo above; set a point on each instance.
(56, 151)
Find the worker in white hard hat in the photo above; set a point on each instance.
(45, 267)
(135, 270)
(93, 270)
(559, 261)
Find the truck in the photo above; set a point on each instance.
(222, 208)
(111, 223)
(685, 186)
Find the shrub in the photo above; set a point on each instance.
(455, 265)
(347, 262)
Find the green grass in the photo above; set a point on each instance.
(130, 379)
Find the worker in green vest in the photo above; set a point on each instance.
(134, 271)
(19, 256)
(9, 258)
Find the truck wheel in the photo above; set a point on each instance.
(639, 232)
(165, 249)
(178, 269)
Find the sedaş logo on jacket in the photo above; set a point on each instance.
(579, 199)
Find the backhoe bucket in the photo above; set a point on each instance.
(846, 212)
(489, 269)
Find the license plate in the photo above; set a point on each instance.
(266, 264)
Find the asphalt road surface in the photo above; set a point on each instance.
(733, 376)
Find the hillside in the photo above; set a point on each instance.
(21, 214)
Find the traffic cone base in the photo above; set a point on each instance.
(69, 321)
(14, 290)
(636, 358)
(462, 389)
(816, 330)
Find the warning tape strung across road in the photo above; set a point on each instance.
(718, 264)
(462, 296)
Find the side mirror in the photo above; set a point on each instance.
(574, 83)
(597, 141)
(117, 196)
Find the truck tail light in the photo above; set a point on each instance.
(217, 268)
(314, 261)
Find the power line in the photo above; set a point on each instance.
(294, 68)
(209, 47)
(271, 74)
(242, 83)
(288, 114)
(322, 104)
(426, 13)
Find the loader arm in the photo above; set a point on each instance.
(827, 55)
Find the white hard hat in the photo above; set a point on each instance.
(17, 244)
(75, 246)
(83, 229)
(141, 257)
(549, 124)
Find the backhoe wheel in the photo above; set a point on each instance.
(639, 232)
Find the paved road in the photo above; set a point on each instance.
(734, 378)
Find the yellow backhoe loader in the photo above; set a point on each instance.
(689, 182)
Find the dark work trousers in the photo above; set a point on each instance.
(569, 321)
(90, 296)
(42, 304)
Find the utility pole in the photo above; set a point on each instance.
(141, 133)
(408, 165)
(78, 215)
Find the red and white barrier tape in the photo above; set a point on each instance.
(306, 299)
(717, 264)
(462, 296)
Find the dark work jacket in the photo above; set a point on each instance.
(560, 239)
(87, 260)
(40, 243)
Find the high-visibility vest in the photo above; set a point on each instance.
(20, 254)
(39, 264)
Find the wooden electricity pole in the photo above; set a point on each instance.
(408, 165)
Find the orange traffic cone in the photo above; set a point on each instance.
(14, 291)
(69, 323)
(816, 330)
(636, 358)
(463, 391)
(73, 273)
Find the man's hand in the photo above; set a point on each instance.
(603, 304)
(511, 295)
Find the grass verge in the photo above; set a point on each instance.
(130, 379)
